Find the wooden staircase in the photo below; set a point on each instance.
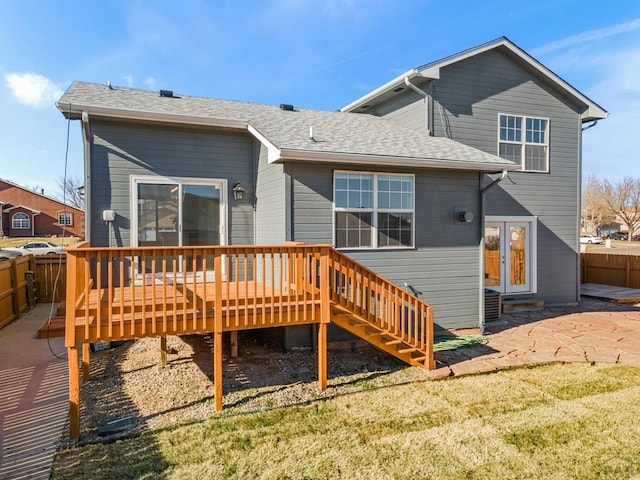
(379, 338)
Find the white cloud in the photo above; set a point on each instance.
(588, 36)
(33, 89)
(129, 80)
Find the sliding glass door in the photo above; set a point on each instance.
(178, 212)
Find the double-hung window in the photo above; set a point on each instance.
(65, 218)
(524, 140)
(373, 210)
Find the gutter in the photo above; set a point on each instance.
(483, 192)
(388, 160)
(77, 111)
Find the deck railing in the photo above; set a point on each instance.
(116, 293)
(373, 298)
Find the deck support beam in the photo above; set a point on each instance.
(74, 392)
(234, 344)
(86, 361)
(217, 370)
(163, 351)
(322, 356)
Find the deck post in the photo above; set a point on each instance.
(325, 317)
(234, 344)
(86, 359)
(217, 334)
(74, 393)
(163, 351)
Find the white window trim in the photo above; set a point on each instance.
(523, 143)
(13, 219)
(70, 215)
(375, 210)
(157, 179)
(533, 245)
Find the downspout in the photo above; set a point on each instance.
(424, 95)
(86, 144)
(483, 191)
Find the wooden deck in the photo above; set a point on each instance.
(127, 293)
(610, 293)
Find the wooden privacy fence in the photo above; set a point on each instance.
(14, 291)
(14, 294)
(610, 269)
(50, 285)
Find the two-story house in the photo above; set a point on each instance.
(458, 175)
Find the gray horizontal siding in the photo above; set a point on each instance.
(468, 98)
(120, 150)
(444, 266)
(270, 202)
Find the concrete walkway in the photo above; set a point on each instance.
(595, 331)
(33, 397)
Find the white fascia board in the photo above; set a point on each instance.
(273, 152)
(380, 90)
(35, 212)
(118, 113)
(385, 160)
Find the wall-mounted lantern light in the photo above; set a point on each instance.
(463, 215)
(238, 191)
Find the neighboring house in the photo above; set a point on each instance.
(410, 180)
(26, 213)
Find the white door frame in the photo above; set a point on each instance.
(136, 180)
(531, 224)
(179, 181)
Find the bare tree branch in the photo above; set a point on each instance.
(71, 191)
(623, 199)
(595, 211)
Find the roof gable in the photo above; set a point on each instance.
(432, 71)
(9, 184)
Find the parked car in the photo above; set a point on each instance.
(618, 236)
(6, 254)
(590, 239)
(38, 248)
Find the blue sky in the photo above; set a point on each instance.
(314, 54)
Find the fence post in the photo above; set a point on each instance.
(16, 290)
(627, 282)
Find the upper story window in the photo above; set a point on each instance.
(20, 221)
(524, 140)
(65, 218)
(373, 210)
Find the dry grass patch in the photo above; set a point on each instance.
(558, 421)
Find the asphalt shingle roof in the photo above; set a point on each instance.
(335, 132)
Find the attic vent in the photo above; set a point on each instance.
(398, 89)
(166, 93)
(286, 107)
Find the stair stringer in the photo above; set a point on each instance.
(379, 338)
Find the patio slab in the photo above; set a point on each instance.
(593, 332)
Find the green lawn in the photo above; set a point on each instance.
(556, 421)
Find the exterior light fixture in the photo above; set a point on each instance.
(238, 191)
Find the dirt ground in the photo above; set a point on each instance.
(129, 387)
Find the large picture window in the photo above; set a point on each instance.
(524, 140)
(373, 210)
(20, 221)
